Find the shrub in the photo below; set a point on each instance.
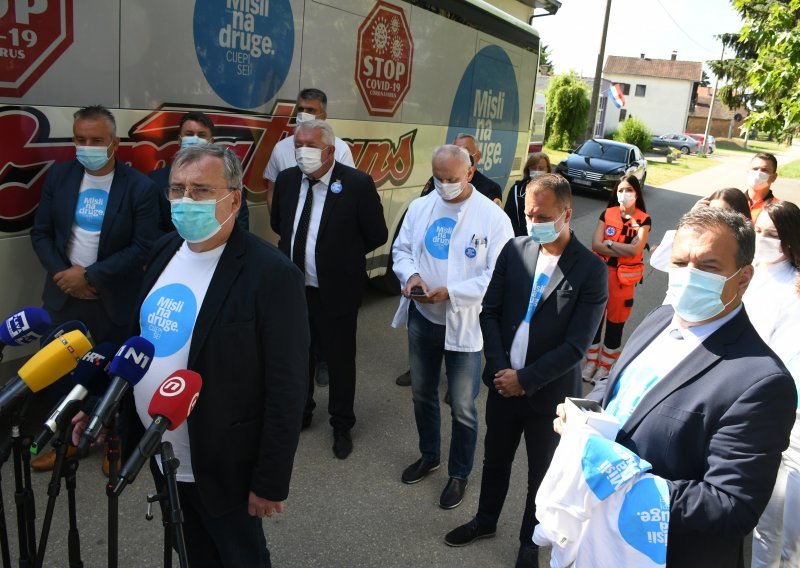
(567, 110)
(634, 131)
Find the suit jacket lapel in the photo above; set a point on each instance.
(230, 264)
(68, 199)
(562, 267)
(115, 199)
(331, 198)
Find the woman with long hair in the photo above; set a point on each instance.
(538, 163)
(620, 239)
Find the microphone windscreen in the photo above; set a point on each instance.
(54, 360)
(66, 327)
(132, 360)
(25, 326)
(91, 371)
(176, 397)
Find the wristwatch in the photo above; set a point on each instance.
(610, 244)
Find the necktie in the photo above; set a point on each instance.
(301, 235)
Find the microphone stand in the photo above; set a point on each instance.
(61, 444)
(113, 454)
(5, 453)
(23, 495)
(172, 517)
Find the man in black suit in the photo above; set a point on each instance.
(329, 216)
(194, 128)
(224, 303)
(547, 294)
(701, 397)
(96, 221)
(483, 184)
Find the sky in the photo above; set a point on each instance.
(652, 27)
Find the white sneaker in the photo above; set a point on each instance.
(589, 371)
(602, 373)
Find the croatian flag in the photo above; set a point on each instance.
(616, 96)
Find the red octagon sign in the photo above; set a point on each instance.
(383, 60)
(33, 34)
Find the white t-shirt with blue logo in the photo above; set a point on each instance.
(435, 254)
(167, 319)
(89, 214)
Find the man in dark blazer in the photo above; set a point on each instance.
(702, 398)
(194, 128)
(328, 217)
(96, 221)
(230, 307)
(547, 294)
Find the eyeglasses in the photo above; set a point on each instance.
(194, 193)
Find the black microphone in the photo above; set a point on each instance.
(169, 408)
(66, 327)
(127, 368)
(90, 377)
(23, 327)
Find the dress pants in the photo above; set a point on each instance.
(334, 337)
(506, 420)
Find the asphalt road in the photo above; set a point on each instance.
(353, 513)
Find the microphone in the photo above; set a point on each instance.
(49, 364)
(66, 327)
(169, 407)
(127, 368)
(90, 377)
(23, 327)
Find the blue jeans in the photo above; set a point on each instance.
(463, 369)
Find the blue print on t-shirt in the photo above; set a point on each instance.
(644, 518)
(437, 239)
(167, 318)
(91, 209)
(607, 466)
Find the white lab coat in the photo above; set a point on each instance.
(467, 276)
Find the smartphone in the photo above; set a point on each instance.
(417, 291)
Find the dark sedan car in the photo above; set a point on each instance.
(598, 164)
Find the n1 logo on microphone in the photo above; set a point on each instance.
(140, 359)
(173, 386)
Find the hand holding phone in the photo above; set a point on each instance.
(418, 292)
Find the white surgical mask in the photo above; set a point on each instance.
(304, 117)
(308, 159)
(626, 198)
(757, 179)
(768, 250)
(448, 191)
(534, 174)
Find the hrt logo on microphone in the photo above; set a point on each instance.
(95, 358)
(140, 359)
(173, 386)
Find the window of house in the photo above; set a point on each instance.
(626, 88)
(641, 90)
(623, 114)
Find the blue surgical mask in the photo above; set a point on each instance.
(544, 233)
(696, 295)
(187, 141)
(93, 158)
(196, 221)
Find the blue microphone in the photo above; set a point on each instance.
(23, 327)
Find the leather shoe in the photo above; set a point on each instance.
(453, 493)
(46, 462)
(419, 469)
(467, 534)
(528, 556)
(403, 380)
(322, 378)
(342, 443)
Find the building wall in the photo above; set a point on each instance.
(719, 126)
(664, 107)
(514, 8)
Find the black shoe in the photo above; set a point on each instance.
(467, 534)
(342, 443)
(453, 493)
(403, 380)
(306, 421)
(419, 469)
(322, 379)
(528, 556)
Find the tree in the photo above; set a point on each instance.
(546, 66)
(770, 38)
(634, 131)
(736, 92)
(567, 110)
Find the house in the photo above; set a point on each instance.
(725, 122)
(659, 92)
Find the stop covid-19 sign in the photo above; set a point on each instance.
(33, 34)
(383, 60)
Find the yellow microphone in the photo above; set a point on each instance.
(49, 364)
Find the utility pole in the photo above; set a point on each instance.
(711, 107)
(598, 76)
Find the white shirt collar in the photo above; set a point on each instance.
(699, 333)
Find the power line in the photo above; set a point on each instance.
(677, 25)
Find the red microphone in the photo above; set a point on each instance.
(170, 406)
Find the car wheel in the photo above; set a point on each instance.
(684, 150)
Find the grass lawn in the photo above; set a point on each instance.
(790, 170)
(659, 173)
(555, 155)
(736, 145)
